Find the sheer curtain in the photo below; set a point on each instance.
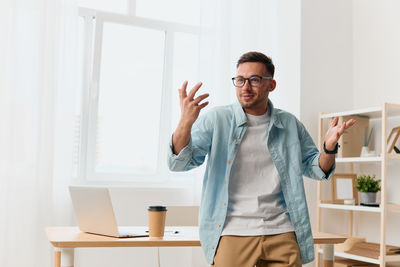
(38, 81)
(230, 28)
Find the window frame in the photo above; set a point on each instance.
(93, 33)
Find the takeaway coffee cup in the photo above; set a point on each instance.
(156, 222)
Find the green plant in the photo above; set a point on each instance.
(367, 184)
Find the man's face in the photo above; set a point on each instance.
(254, 98)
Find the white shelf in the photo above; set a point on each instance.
(389, 206)
(353, 257)
(366, 159)
(356, 257)
(371, 112)
(359, 159)
(349, 207)
(388, 258)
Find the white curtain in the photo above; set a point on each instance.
(38, 82)
(230, 28)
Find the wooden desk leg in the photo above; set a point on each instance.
(63, 257)
(328, 255)
(57, 257)
(317, 255)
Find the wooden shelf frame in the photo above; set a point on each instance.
(382, 112)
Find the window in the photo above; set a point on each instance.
(132, 68)
(179, 11)
(129, 106)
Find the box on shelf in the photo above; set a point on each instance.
(351, 141)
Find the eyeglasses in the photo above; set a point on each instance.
(254, 80)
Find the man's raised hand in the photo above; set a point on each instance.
(332, 136)
(190, 110)
(335, 131)
(190, 106)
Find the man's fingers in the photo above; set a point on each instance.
(194, 90)
(203, 105)
(182, 91)
(341, 128)
(350, 123)
(200, 98)
(334, 121)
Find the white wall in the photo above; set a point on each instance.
(351, 59)
(376, 52)
(376, 72)
(326, 69)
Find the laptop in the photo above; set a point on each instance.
(95, 214)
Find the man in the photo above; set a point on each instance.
(253, 209)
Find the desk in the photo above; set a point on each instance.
(66, 239)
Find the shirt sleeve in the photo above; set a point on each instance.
(180, 161)
(318, 172)
(194, 153)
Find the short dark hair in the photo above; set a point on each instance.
(257, 57)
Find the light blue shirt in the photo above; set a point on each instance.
(218, 134)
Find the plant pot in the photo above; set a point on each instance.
(364, 151)
(368, 197)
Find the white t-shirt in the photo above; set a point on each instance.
(256, 204)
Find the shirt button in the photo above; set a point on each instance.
(212, 247)
(228, 161)
(224, 203)
(235, 142)
(219, 225)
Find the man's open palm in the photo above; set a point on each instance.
(190, 106)
(335, 131)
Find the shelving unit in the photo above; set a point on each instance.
(382, 112)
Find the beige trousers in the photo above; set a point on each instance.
(261, 251)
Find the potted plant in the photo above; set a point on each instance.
(368, 187)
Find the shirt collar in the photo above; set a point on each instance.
(241, 117)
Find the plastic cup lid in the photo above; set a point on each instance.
(157, 208)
